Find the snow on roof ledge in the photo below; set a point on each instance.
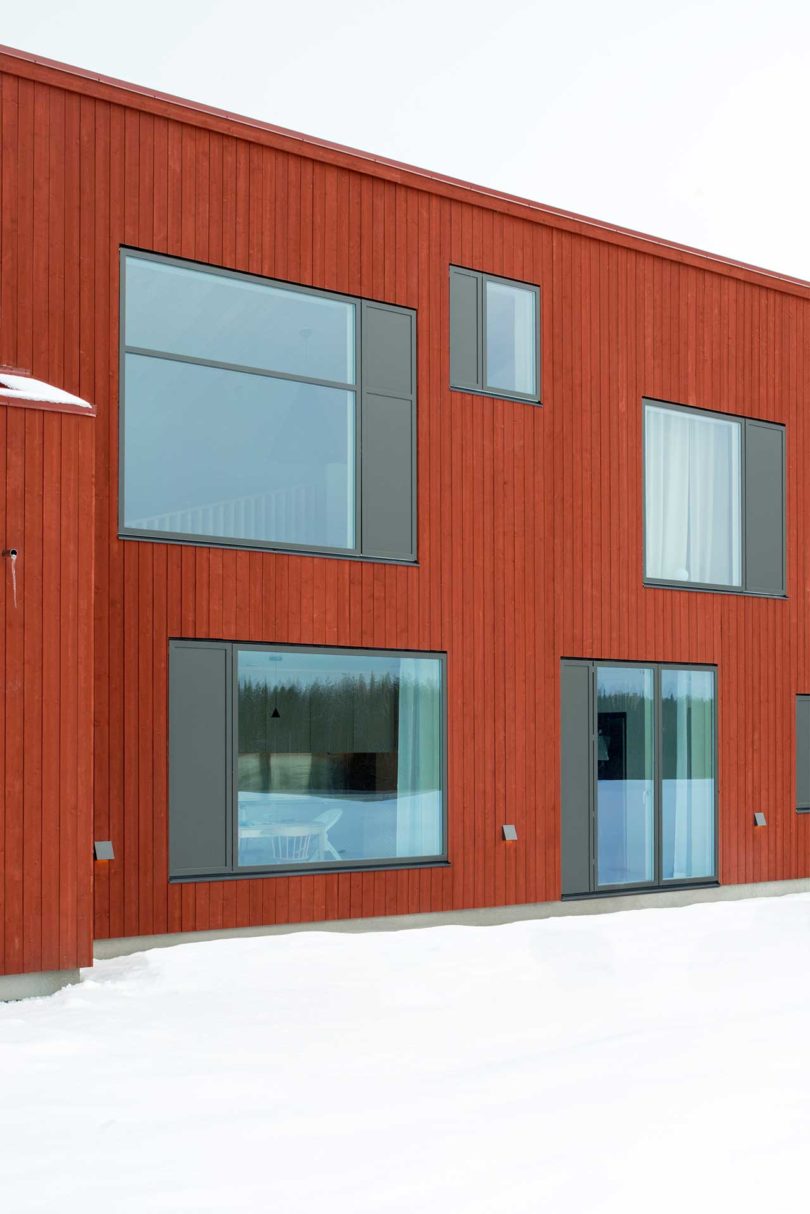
(15, 388)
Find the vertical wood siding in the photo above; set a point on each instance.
(46, 672)
(529, 519)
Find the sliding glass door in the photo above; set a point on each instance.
(625, 853)
(687, 774)
(639, 775)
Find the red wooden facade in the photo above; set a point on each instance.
(529, 519)
(46, 672)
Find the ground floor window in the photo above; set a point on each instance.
(638, 775)
(287, 758)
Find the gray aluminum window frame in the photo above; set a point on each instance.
(801, 808)
(481, 389)
(711, 587)
(196, 539)
(657, 882)
(235, 871)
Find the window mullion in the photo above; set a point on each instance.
(482, 333)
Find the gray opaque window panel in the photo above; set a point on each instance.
(764, 508)
(388, 348)
(388, 433)
(223, 317)
(803, 752)
(466, 329)
(577, 730)
(200, 748)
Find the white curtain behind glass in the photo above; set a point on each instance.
(419, 798)
(688, 776)
(693, 497)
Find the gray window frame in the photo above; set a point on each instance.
(802, 807)
(744, 423)
(234, 871)
(357, 388)
(657, 883)
(480, 388)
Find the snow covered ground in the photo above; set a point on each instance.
(651, 1060)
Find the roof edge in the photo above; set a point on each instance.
(515, 203)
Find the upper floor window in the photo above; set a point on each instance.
(714, 500)
(494, 335)
(265, 415)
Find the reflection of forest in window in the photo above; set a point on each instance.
(624, 724)
(339, 734)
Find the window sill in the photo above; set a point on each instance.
(634, 891)
(315, 870)
(493, 395)
(190, 541)
(700, 588)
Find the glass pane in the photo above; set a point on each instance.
(235, 320)
(222, 453)
(340, 758)
(624, 789)
(511, 337)
(693, 497)
(687, 761)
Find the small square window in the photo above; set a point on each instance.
(494, 336)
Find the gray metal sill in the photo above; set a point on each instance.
(319, 870)
(636, 891)
(493, 395)
(697, 588)
(228, 545)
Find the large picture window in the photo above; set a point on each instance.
(639, 775)
(260, 414)
(714, 500)
(328, 757)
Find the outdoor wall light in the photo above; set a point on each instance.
(103, 850)
(510, 833)
(759, 818)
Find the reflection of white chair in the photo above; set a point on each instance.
(292, 842)
(326, 821)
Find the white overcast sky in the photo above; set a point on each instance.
(686, 120)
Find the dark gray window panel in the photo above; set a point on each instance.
(253, 411)
(494, 336)
(200, 748)
(465, 329)
(764, 508)
(388, 432)
(803, 753)
(577, 731)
